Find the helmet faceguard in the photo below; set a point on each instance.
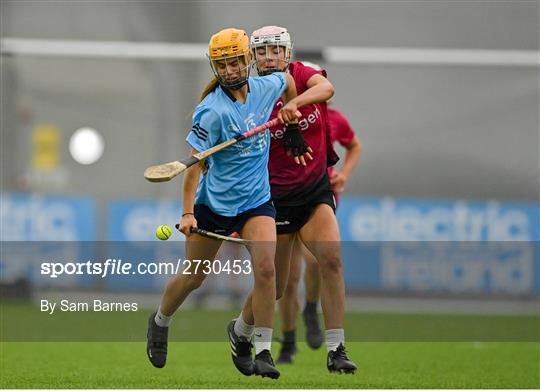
(271, 47)
(231, 72)
(228, 52)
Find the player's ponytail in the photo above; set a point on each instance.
(211, 86)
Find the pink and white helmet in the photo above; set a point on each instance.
(272, 36)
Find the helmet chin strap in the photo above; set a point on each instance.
(268, 72)
(232, 86)
(235, 86)
(273, 70)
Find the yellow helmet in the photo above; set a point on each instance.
(228, 45)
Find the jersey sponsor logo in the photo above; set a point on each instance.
(250, 121)
(303, 124)
(251, 144)
(265, 111)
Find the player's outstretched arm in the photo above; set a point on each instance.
(293, 141)
(319, 90)
(289, 112)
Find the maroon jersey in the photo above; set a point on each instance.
(340, 129)
(288, 179)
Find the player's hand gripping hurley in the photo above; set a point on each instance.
(166, 172)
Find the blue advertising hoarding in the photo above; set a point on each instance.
(446, 246)
(388, 244)
(31, 217)
(131, 227)
(38, 228)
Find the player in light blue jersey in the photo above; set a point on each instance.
(237, 178)
(231, 194)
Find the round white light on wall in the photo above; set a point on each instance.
(86, 145)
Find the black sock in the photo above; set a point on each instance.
(311, 307)
(289, 337)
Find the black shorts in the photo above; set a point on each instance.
(291, 217)
(226, 225)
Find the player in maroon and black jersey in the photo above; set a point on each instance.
(302, 194)
(342, 133)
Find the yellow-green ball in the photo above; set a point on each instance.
(163, 232)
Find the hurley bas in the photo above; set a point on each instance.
(78, 306)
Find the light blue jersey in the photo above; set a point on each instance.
(237, 177)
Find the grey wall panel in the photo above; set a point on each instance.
(428, 131)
